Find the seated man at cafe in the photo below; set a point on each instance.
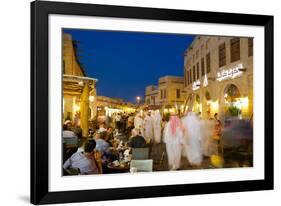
(109, 136)
(136, 140)
(102, 145)
(70, 140)
(69, 137)
(88, 161)
(104, 148)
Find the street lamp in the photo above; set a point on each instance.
(138, 99)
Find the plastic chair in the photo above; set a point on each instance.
(70, 141)
(142, 165)
(140, 153)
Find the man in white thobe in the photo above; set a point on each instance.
(157, 126)
(148, 127)
(138, 123)
(193, 137)
(173, 137)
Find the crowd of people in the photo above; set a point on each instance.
(186, 136)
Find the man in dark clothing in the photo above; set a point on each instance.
(137, 141)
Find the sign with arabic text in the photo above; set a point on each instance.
(230, 73)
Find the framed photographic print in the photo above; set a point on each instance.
(133, 102)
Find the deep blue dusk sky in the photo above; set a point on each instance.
(126, 62)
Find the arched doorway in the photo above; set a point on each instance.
(232, 97)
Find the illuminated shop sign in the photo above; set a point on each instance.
(196, 85)
(230, 73)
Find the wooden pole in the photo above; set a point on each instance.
(84, 108)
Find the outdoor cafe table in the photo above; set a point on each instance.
(120, 168)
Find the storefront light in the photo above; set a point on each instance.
(214, 106)
(242, 103)
(91, 98)
(76, 108)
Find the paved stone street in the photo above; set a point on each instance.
(232, 158)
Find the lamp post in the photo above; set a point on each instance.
(138, 99)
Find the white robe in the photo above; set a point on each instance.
(148, 128)
(157, 127)
(193, 137)
(173, 146)
(138, 123)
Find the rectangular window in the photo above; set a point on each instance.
(234, 49)
(202, 49)
(187, 80)
(193, 74)
(153, 99)
(198, 73)
(178, 93)
(148, 101)
(207, 44)
(63, 67)
(161, 94)
(250, 46)
(187, 77)
(202, 67)
(222, 55)
(165, 93)
(208, 62)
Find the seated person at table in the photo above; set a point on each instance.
(136, 140)
(128, 131)
(102, 127)
(109, 136)
(88, 162)
(69, 137)
(102, 145)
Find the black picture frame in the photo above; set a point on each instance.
(40, 108)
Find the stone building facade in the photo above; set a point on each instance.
(79, 91)
(151, 95)
(218, 76)
(169, 95)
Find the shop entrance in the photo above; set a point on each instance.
(232, 97)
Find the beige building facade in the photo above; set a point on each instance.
(151, 95)
(169, 95)
(218, 76)
(79, 91)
